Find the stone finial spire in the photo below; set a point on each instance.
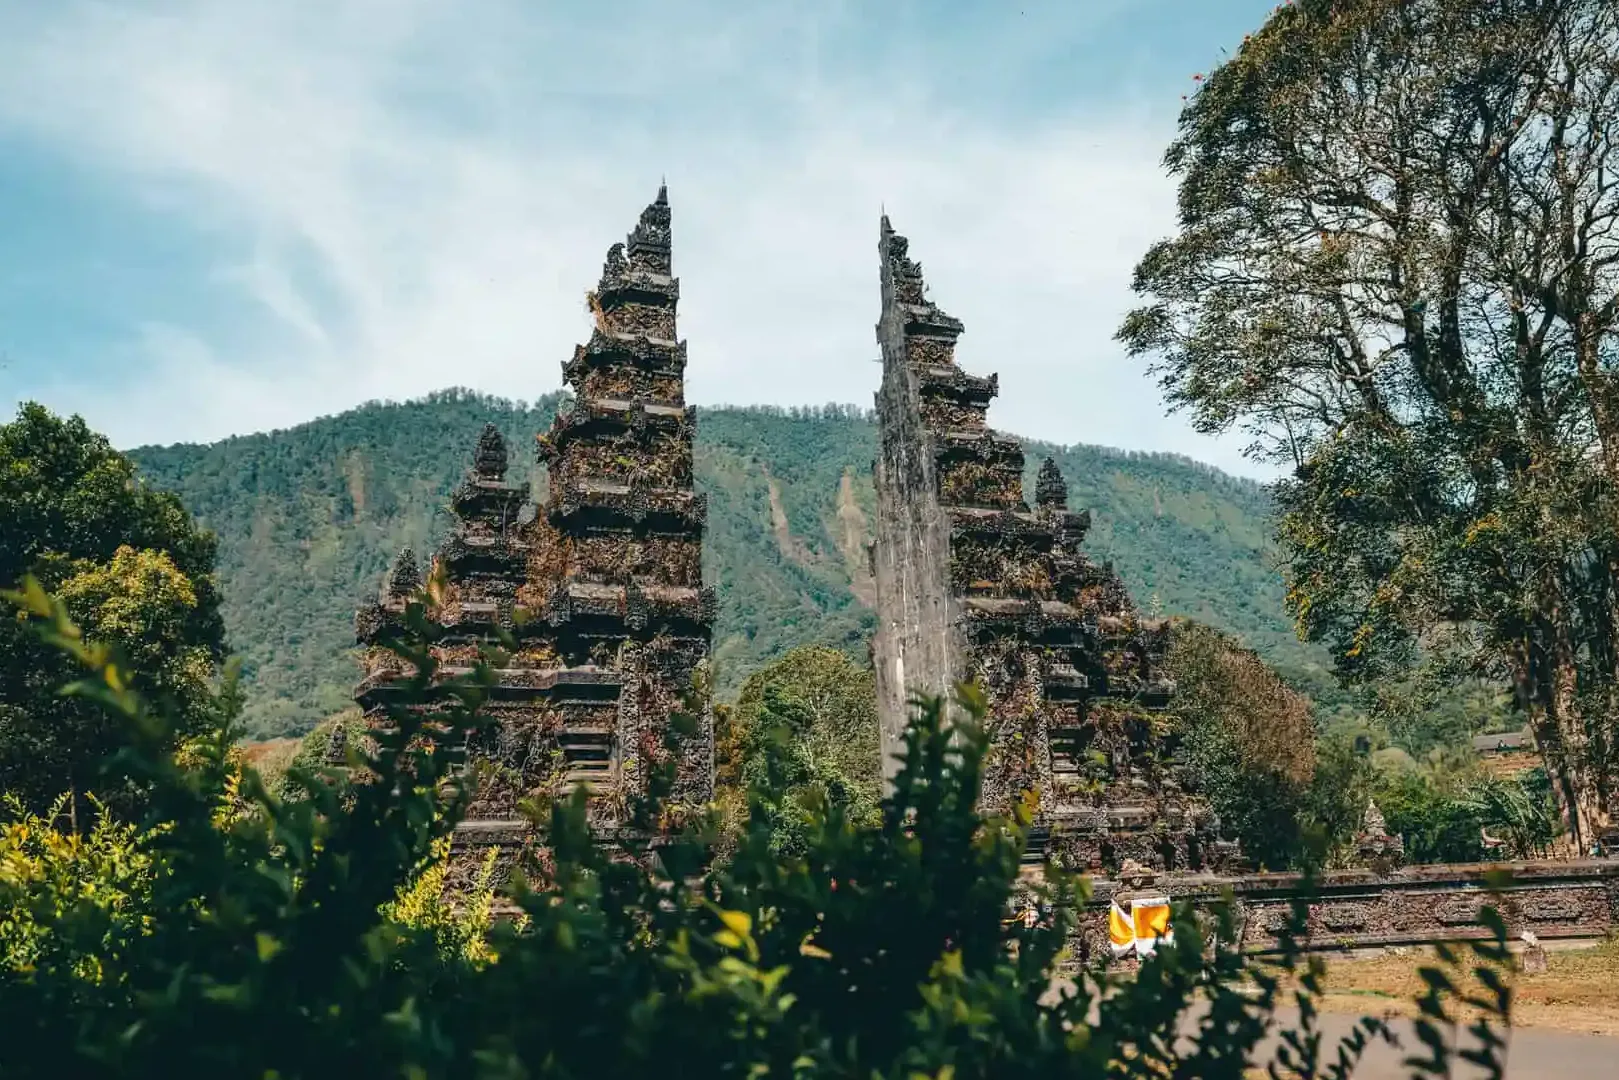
(491, 458)
(1374, 824)
(1050, 489)
(406, 576)
(649, 244)
(902, 273)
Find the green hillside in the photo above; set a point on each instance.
(308, 519)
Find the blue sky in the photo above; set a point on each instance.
(227, 217)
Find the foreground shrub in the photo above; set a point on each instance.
(70, 902)
(292, 941)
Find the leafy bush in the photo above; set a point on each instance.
(313, 752)
(1445, 812)
(1248, 737)
(1521, 813)
(1252, 745)
(69, 901)
(1334, 805)
(275, 945)
(461, 928)
(1436, 825)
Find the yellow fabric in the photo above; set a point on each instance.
(1150, 923)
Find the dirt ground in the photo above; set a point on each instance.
(257, 752)
(1578, 991)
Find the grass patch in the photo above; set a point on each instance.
(1578, 991)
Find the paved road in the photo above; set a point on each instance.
(1533, 1053)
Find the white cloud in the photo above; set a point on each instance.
(416, 196)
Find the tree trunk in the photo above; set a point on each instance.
(1565, 747)
(1545, 672)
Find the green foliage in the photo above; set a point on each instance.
(1248, 739)
(1444, 809)
(1437, 824)
(1334, 805)
(265, 927)
(1521, 813)
(1421, 715)
(458, 925)
(70, 901)
(1297, 797)
(881, 951)
(803, 737)
(309, 518)
(1291, 795)
(132, 569)
(314, 751)
(789, 581)
(1394, 268)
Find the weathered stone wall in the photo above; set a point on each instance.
(1412, 906)
(917, 648)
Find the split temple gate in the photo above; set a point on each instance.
(973, 585)
(599, 584)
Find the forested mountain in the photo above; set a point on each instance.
(308, 519)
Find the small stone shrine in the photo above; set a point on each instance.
(1373, 844)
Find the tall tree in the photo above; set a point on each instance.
(133, 569)
(803, 733)
(1397, 269)
(1249, 737)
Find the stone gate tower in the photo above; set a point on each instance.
(600, 584)
(974, 585)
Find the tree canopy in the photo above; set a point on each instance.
(1249, 740)
(1397, 268)
(804, 730)
(132, 568)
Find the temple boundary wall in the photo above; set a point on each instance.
(1415, 905)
